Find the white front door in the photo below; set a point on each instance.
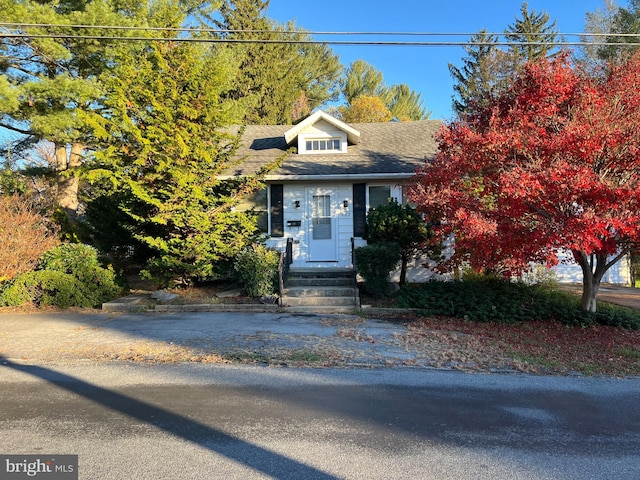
(323, 241)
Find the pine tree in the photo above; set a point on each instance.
(488, 70)
(533, 35)
(362, 83)
(598, 22)
(276, 79)
(164, 147)
(405, 104)
(625, 21)
(49, 85)
(362, 79)
(485, 73)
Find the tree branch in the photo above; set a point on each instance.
(16, 129)
(617, 258)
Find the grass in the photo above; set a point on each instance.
(632, 353)
(548, 347)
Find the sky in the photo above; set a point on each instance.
(423, 68)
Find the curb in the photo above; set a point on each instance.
(138, 303)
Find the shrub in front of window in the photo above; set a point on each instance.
(403, 225)
(374, 263)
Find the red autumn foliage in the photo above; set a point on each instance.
(552, 165)
(24, 236)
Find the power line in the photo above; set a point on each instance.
(305, 32)
(223, 36)
(314, 42)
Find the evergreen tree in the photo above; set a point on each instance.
(48, 85)
(362, 79)
(164, 146)
(532, 28)
(599, 22)
(625, 21)
(277, 83)
(363, 83)
(405, 104)
(485, 72)
(488, 70)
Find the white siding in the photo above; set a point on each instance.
(343, 223)
(567, 271)
(320, 130)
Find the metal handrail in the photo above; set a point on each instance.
(286, 259)
(356, 299)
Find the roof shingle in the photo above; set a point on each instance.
(384, 148)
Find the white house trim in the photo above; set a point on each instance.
(379, 176)
(353, 135)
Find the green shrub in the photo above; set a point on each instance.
(374, 263)
(44, 287)
(256, 268)
(492, 299)
(68, 275)
(401, 224)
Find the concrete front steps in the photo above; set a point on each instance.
(319, 289)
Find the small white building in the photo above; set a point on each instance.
(319, 197)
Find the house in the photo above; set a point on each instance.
(318, 198)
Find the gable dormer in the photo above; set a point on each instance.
(321, 133)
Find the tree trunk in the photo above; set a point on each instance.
(403, 269)
(634, 262)
(590, 287)
(68, 162)
(593, 268)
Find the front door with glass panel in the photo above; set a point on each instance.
(322, 234)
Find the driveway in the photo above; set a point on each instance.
(617, 295)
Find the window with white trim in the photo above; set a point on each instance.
(315, 143)
(333, 144)
(378, 195)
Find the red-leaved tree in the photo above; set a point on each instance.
(551, 165)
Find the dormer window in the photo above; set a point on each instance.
(318, 142)
(329, 144)
(321, 133)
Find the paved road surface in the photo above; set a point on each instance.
(129, 421)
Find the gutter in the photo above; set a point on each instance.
(334, 177)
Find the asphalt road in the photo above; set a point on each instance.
(190, 421)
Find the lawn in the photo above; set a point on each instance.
(541, 329)
(543, 347)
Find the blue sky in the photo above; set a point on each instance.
(423, 68)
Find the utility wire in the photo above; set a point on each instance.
(304, 32)
(312, 42)
(224, 38)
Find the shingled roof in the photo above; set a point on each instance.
(392, 148)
